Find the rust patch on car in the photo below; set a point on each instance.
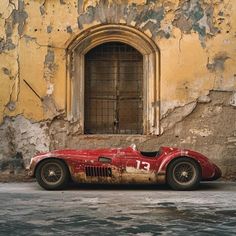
(133, 175)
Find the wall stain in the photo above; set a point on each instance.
(6, 71)
(49, 29)
(19, 16)
(6, 45)
(50, 68)
(218, 63)
(69, 29)
(42, 10)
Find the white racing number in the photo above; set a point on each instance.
(143, 165)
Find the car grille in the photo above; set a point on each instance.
(97, 171)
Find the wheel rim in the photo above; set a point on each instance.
(51, 173)
(184, 173)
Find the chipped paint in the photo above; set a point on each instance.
(232, 101)
(19, 16)
(202, 132)
(196, 16)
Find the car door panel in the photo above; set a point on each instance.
(138, 169)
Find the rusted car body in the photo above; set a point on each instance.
(123, 166)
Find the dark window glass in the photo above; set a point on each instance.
(113, 90)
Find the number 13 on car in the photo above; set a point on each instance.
(143, 165)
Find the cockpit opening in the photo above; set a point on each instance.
(150, 154)
(144, 153)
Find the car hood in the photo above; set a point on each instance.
(74, 152)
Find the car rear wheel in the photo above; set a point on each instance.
(183, 174)
(52, 174)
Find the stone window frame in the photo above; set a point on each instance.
(97, 35)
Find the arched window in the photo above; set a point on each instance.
(113, 90)
(113, 81)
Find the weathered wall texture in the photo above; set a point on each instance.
(197, 42)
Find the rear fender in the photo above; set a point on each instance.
(172, 156)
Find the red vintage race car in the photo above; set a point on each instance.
(181, 169)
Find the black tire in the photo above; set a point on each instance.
(52, 174)
(183, 174)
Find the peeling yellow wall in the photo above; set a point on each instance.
(196, 56)
(197, 46)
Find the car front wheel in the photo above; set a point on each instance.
(183, 174)
(52, 174)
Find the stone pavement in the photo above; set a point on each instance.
(26, 209)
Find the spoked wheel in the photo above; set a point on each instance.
(52, 174)
(183, 174)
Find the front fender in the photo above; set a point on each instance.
(37, 159)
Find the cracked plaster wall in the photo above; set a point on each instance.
(197, 48)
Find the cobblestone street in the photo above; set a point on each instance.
(26, 209)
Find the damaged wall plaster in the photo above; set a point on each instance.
(197, 50)
(24, 136)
